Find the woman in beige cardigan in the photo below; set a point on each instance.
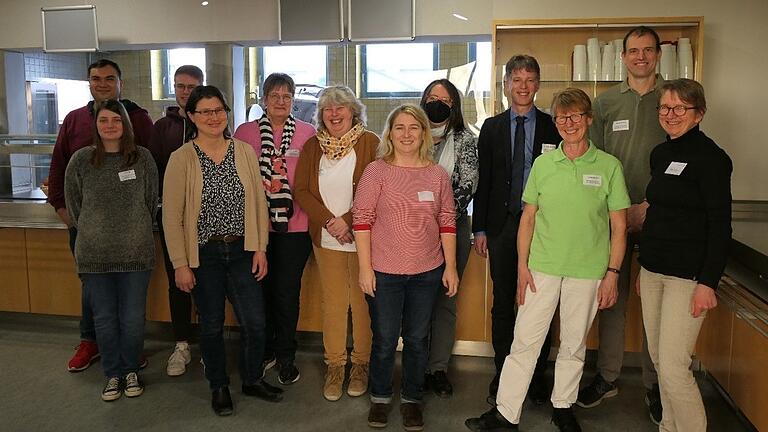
(215, 222)
(327, 174)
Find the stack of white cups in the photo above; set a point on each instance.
(668, 68)
(619, 68)
(609, 56)
(594, 59)
(580, 63)
(684, 58)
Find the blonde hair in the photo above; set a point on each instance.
(386, 148)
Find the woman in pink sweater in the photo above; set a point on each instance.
(405, 229)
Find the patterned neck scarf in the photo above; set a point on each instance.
(274, 172)
(336, 148)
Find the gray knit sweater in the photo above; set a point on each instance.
(113, 208)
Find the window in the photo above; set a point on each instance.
(398, 70)
(305, 64)
(173, 58)
(481, 52)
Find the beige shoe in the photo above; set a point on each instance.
(358, 380)
(334, 380)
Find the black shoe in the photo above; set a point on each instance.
(289, 373)
(538, 391)
(653, 400)
(221, 401)
(565, 421)
(441, 386)
(591, 395)
(378, 414)
(491, 421)
(264, 391)
(413, 419)
(493, 387)
(268, 363)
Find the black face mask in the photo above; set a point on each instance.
(437, 111)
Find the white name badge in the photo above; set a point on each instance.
(547, 147)
(127, 175)
(592, 180)
(292, 153)
(426, 196)
(675, 168)
(621, 125)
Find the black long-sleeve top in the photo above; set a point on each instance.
(688, 224)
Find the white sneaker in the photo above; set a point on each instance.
(179, 359)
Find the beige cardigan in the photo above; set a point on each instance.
(182, 195)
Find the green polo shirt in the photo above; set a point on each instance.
(571, 237)
(626, 125)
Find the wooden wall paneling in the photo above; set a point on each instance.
(472, 320)
(713, 347)
(14, 295)
(310, 309)
(54, 287)
(158, 308)
(749, 377)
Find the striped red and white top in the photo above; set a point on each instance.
(406, 210)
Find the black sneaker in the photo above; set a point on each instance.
(440, 385)
(653, 400)
(289, 374)
(268, 363)
(565, 421)
(538, 391)
(591, 395)
(490, 421)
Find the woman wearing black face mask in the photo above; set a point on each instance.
(456, 151)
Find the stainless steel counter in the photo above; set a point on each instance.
(28, 214)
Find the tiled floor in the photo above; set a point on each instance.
(38, 394)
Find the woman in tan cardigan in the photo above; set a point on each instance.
(328, 171)
(215, 223)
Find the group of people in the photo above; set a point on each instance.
(386, 220)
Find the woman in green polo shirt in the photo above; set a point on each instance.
(570, 245)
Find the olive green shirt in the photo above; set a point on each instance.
(626, 125)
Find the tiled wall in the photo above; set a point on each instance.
(56, 65)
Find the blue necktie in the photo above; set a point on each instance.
(518, 167)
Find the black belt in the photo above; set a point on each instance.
(228, 238)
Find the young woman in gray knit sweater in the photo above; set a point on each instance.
(111, 192)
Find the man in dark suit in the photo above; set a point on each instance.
(508, 144)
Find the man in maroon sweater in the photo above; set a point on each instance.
(76, 132)
(167, 136)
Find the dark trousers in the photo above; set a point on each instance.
(287, 254)
(87, 327)
(118, 301)
(502, 251)
(402, 305)
(179, 301)
(225, 273)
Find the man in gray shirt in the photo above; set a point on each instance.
(626, 125)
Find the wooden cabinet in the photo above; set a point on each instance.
(54, 287)
(552, 43)
(733, 348)
(14, 294)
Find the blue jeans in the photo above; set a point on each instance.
(118, 301)
(225, 273)
(87, 330)
(403, 303)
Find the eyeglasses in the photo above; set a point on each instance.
(679, 110)
(575, 118)
(212, 112)
(277, 97)
(433, 98)
(182, 87)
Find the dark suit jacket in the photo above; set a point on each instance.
(495, 166)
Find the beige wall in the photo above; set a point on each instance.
(735, 63)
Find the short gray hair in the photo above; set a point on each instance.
(522, 62)
(689, 91)
(339, 95)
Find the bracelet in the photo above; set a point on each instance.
(612, 270)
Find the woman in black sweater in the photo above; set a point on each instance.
(683, 248)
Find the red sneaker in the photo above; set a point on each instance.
(86, 353)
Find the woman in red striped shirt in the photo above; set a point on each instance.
(405, 229)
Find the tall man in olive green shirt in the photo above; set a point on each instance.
(626, 125)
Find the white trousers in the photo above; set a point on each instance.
(578, 306)
(672, 331)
